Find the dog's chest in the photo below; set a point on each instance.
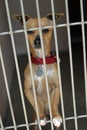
(40, 79)
(39, 73)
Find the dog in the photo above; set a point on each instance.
(39, 70)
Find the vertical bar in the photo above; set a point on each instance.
(47, 88)
(7, 89)
(71, 64)
(84, 49)
(59, 72)
(29, 58)
(1, 123)
(16, 62)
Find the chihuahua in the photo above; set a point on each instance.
(39, 70)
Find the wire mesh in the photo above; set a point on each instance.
(11, 33)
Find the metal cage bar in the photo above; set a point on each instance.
(16, 63)
(11, 32)
(1, 123)
(71, 64)
(47, 88)
(7, 89)
(84, 49)
(58, 66)
(58, 26)
(29, 58)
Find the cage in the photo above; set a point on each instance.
(69, 44)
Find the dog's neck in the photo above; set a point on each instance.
(39, 53)
(38, 59)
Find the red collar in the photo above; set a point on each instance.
(49, 60)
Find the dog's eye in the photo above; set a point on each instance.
(45, 30)
(30, 32)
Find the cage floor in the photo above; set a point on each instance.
(67, 92)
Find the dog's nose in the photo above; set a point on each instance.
(37, 42)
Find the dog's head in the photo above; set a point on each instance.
(34, 35)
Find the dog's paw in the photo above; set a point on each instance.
(57, 121)
(42, 122)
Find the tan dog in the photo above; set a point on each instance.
(38, 69)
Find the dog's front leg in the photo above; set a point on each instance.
(28, 92)
(55, 95)
(30, 96)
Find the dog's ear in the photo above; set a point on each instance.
(20, 18)
(57, 16)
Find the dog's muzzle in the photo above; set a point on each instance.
(37, 42)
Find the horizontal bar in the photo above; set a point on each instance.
(32, 29)
(31, 124)
(78, 117)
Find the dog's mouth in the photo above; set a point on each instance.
(39, 52)
(38, 47)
